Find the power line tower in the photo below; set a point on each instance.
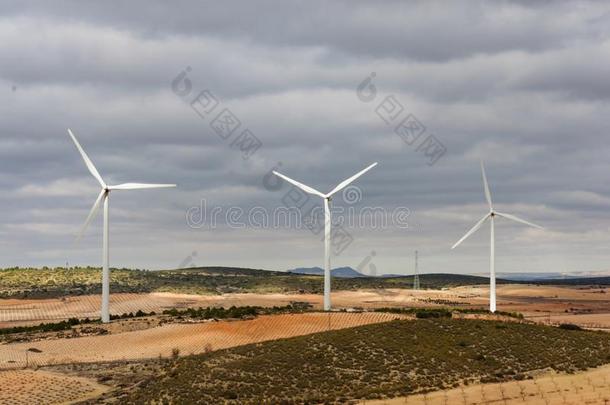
(416, 277)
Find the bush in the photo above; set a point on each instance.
(432, 313)
(43, 327)
(230, 313)
(569, 326)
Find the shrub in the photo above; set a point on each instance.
(569, 326)
(432, 313)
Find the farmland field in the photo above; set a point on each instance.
(376, 361)
(187, 338)
(286, 352)
(308, 353)
(26, 387)
(588, 306)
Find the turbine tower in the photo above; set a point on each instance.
(416, 277)
(327, 222)
(105, 196)
(491, 215)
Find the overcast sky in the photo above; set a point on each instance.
(526, 87)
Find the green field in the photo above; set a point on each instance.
(46, 283)
(375, 361)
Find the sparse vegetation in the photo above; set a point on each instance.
(516, 315)
(420, 313)
(27, 332)
(374, 361)
(235, 312)
(58, 282)
(45, 327)
(423, 313)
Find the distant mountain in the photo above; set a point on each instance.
(341, 272)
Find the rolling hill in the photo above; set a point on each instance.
(58, 282)
(375, 361)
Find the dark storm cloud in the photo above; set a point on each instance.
(522, 85)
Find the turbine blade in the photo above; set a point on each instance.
(302, 186)
(88, 161)
(486, 186)
(138, 186)
(517, 219)
(471, 231)
(92, 213)
(345, 183)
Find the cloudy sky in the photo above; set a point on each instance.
(526, 87)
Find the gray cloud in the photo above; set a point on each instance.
(521, 85)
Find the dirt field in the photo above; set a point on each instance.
(590, 387)
(136, 339)
(188, 338)
(585, 306)
(43, 387)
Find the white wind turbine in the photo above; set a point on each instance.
(327, 222)
(491, 216)
(105, 195)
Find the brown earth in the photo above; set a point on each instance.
(187, 338)
(586, 306)
(27, 387)
(143, 338)
(590, 387)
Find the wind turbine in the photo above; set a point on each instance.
(491, 215)
(105, 196)
(327, 222)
